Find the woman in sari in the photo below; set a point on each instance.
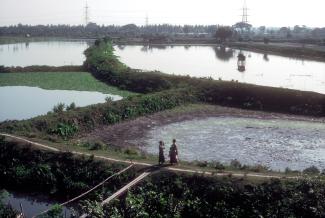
(173, 153)
(161, 152)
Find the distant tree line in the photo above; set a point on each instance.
(94, 30)
(166, 32)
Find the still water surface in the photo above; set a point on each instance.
(219, 63)
(21, 102)
(32, 204)
(52, 53)
(274, 143)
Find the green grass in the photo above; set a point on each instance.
(80, 81)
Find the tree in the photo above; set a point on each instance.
(223, 33)
(266, 40)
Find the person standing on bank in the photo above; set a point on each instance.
(173, 153)
(161, 152)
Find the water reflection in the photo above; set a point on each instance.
(121, 47)
(223, 53)
(20, 102)
(217, 62)
(54, 53)
(241, 62)
(32, 204)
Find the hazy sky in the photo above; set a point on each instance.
(227, 12)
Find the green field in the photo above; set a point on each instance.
(80, 81)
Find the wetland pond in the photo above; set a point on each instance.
(221, 63)
(22, 102)
(32, 204)
(52, 53)
(274, 143)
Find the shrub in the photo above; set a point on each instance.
(72, 106)
(131, 151)
(109, 99)
(235, 164)
(59, 108)
(311, 170)
(65, 130)
(219, 166)
(202, 164)
(98, 145)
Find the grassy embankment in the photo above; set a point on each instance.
(163, 194)
(79, 81)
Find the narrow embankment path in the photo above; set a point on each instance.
(175, 169)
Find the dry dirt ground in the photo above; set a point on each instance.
(134, 130)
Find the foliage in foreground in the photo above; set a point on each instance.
(5, 210)
(164, 194)
(172, 195)
(56, 173)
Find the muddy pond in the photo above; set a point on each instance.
(221, 63)
(274, 143)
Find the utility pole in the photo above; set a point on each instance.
(86, 14)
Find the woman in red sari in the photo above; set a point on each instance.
(173, 153)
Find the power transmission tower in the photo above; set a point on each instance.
(245, 13)
(86, 14)
(147, 20)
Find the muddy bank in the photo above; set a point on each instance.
(131, 133)
(295, 50)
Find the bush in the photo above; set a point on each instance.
(311, 170)
(235, 164)
(98, 145)
(65, 130)
(202, 164)
(131, 151)
(109, 99)
(72, 106)
(219, 166)
(59, 108)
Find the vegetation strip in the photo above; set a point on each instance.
(76, 81)
(146, 164)
(40, 68)
(90, 190)
(122, 190)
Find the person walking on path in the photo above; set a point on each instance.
(161, 152)
(173, 153)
